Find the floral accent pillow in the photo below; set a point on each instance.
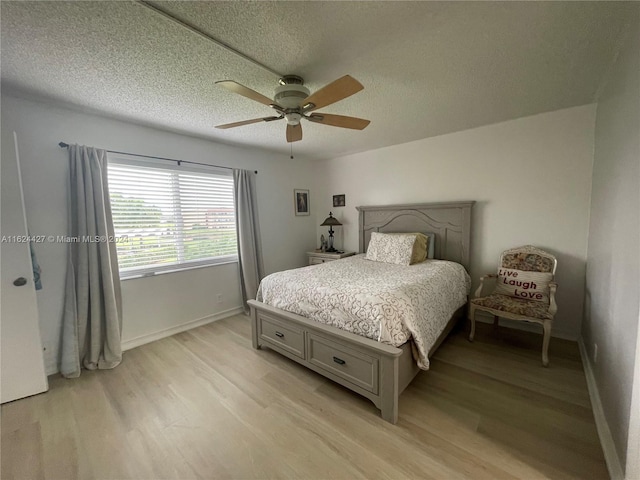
(389, 248)
(525, 285)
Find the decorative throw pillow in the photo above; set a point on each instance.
(431, 245)
(420, 246)
(526, 285)
(389, 248)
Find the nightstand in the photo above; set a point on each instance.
(315, 258)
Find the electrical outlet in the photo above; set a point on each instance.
(219, 298)
(595, 353)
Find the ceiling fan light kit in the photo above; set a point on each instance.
(293, 101)
(293, 118)
(291, 91)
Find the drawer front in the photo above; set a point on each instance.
(287, 337)
(350, 364)
(317, 260)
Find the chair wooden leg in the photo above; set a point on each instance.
(545, 342)
(472, 319)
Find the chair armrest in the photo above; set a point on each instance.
(479, 290)
(553, 306)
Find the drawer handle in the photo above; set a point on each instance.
(339, 361)
(280, 335)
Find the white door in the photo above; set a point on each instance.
(632, 470)
(21, 355)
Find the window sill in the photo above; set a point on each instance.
(177, 270)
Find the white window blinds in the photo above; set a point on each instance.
(170, 217)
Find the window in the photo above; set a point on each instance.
(170, 217)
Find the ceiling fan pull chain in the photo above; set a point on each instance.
(291, 146)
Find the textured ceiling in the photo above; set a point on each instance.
(428, 68)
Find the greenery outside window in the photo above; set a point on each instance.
(170, 217)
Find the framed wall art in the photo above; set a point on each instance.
(301, 201)
(338, 200)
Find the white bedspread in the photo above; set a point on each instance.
(385, 302)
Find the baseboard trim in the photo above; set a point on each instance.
(616, 472)
(167, 332)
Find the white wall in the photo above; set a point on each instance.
(613, 260)
(165, 301)
(530, 177)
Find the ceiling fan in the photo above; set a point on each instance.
(293, 102)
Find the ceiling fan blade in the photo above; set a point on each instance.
(294, 133)
(338, 90)
(235, 87)
(339, 121)
(247, 122)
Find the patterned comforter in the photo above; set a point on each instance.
(385, 302)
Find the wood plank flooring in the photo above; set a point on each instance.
(203, 404)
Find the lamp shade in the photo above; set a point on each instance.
(330, 221)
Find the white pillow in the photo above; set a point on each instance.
(525, 285)
(420, 246)
(390, 248)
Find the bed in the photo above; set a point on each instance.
(354, 358)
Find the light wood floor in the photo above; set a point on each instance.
(203, 404)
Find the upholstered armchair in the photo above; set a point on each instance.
(525, 291)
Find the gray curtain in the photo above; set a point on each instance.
(92, 320)
(248, 228)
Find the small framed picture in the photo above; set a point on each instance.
(338, 200)
(301, 202)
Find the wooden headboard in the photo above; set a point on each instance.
(449, 221)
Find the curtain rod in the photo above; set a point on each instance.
(66, 145)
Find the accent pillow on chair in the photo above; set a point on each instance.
(525, 285)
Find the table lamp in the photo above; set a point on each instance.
(330, 221)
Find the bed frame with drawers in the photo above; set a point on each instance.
(375, 370)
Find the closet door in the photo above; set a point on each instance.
(22, 363)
